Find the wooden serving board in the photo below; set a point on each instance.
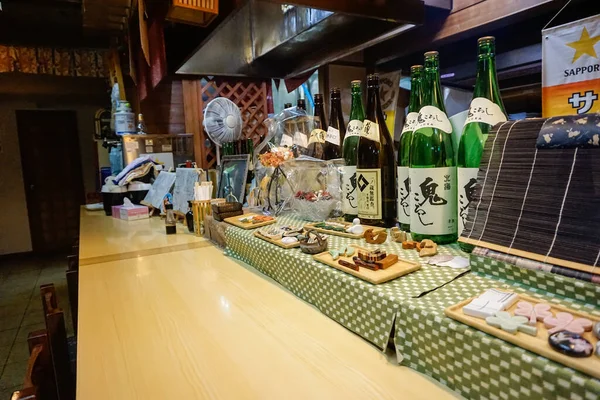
(235, 221)
(400, 268)
(344, 234)
(276, 242)
(537, 344)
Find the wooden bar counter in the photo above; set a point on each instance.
(194, 324)
(105, 238)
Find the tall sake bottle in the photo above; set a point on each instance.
(349, 152)
(432, 166)
(316, 141)
(336, 131)
(376, 165)
(485, 111)
(414, 105)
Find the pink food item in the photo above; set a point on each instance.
(534, 313)
(565, 321)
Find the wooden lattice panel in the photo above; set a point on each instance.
(251, 98)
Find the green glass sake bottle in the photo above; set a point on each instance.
(485, 111)
(414, 105)
(316, 140)
(432, 166)
(376, 165)
(357, 116)
(336, 131)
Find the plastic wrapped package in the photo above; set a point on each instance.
(290, 128)
(316, 185)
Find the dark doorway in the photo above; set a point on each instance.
(51, 163)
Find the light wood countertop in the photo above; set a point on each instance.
(194, 324)
(104, 239)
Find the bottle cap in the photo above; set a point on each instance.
(486, 39)
(318, 97)
(335, 93)
(168, 206)
(372, 79)
(355, 82)
(416, 67)
(431, 54)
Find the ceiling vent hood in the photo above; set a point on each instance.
(273, 40)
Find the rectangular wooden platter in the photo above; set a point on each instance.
(537, 344)
(344, 234)
(235, 221)
(277, 242)
(400, 268)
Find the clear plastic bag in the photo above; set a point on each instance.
(290, 128)
(316, 187)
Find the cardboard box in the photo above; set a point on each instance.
(130, 213)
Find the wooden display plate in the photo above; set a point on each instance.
(537, 344)
(400, 268)
(276, 242)
(235, 221)
(344, 234)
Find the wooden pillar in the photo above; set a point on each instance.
(193, 118)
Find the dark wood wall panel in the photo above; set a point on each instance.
(163, 108)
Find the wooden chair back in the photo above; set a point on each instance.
(57, 340)
(39, 381)
(73, 288)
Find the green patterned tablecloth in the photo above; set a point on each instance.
(471, 362)
(478, 365)
(367, 309)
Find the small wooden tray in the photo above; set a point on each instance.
(344, 234)
(276, 242)
(235, 221)
(400, 268)
(537, 344)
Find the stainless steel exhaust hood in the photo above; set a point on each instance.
(270, 40)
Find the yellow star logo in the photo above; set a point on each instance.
(585, 45)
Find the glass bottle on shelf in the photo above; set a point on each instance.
(432, 165)
(376, 164)
(336, 131)
(141, 125)
(485, 111)
(316, 140)
(287, 105)
(357, 116)
(414, 105)
(302, 132)
(189, 218)
(170, 221)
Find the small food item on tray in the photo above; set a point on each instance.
(427, 248)
(331, 226)
(289, 240)
(489, 303)
(565, 321)
(273, 233)
(571, 344)
(356, 228)
(348, 264)
(511, 324)
(256, 219)
(388, 261)
(409, 244)
(349, 251)
(398, 236)
(334, 254)
(371, 255)
(369, 265)
(375, 238)
(534, 312)
(291, 231)
(597, 330)
(312, 242)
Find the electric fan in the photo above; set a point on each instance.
(222, 122)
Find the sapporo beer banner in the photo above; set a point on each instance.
(571, 68)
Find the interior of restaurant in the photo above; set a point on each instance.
(204, 199)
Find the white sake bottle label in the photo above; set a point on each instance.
(433, 196)
(368, 183)
(486, 111)
(410, 122)
(433, 117)
(317, 136)
(333, 136)
(349, 192)
(354, 128)
(403, 195)
(370, 130)
(467, 182)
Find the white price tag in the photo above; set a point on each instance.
(333, 136)
(286, 140)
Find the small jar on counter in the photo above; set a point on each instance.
(170, 221)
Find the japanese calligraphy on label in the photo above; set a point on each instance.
(300, 139)
(571, 68)
(349, 192)
(333, 135)
(433, 193)
(368, 183)
(354, 128)
(403, 195)
(317, 136)
(433, 117)
(486, 111)
(467, 181)
(370, 130)
(410, 122)
(286, 140)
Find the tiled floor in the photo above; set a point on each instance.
(21, 311)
